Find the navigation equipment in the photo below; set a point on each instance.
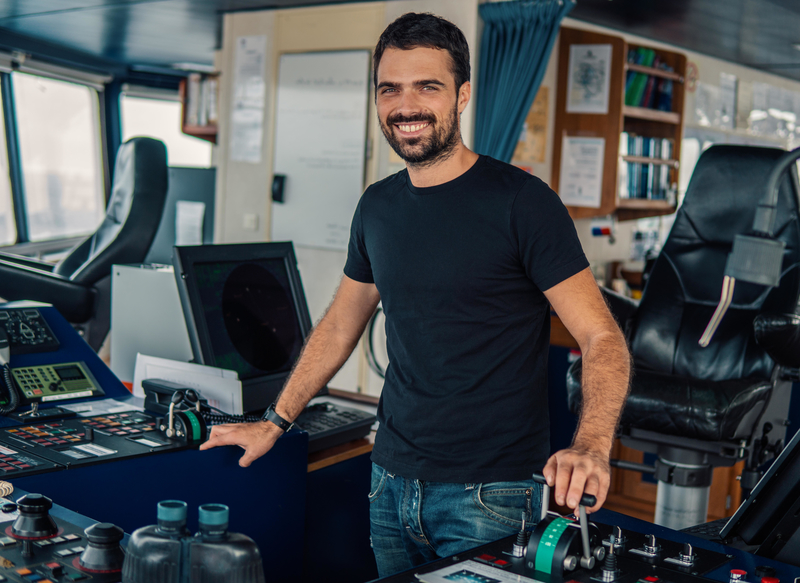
(245, 311)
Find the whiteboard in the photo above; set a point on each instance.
(320, 137)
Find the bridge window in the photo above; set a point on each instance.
(157, 117)
(8, 229)
(59, 133)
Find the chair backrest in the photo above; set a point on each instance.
(133, 214)
(685, 284)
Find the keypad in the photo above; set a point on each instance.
(121, 423)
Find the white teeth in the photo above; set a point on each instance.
(412, 128)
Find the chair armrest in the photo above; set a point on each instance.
(779, 335)
(27, 262)
(622, 307)
(19, 282)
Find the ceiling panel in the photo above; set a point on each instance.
(756, 33)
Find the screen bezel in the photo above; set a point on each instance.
(185, 260)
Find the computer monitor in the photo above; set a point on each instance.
(245, 311)
(770, 517)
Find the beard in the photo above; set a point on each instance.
(424, 151)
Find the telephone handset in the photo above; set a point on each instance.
(9, 397)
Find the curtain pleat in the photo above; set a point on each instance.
(518, 38)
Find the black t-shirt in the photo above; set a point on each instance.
(460, 268)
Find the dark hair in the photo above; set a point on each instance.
(414, 30)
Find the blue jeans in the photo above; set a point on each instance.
(413, 521)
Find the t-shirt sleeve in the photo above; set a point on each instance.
(548, 242)
(358, 266)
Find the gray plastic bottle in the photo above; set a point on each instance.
(155, 553)
(219, 556)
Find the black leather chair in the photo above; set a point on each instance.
(79, 286)
(703, 407)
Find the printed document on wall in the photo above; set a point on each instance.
(249, 91)
(581, 178)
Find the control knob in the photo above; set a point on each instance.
(34, 521)
(103, 553)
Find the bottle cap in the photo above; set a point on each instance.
(214, 515)
(171, 513)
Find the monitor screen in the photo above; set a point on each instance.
(769, 518)
(245, 311)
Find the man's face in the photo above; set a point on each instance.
(419, 105)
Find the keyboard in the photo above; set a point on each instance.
(329, 425)
(707, 530)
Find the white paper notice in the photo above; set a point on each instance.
(189, 222)
(581, 178)
(249, 90)
(728, 85)
(589, 78)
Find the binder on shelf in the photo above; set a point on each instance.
(200, 97)
(623, 166)
(193, 99)
(634, 96)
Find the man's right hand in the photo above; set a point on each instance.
(255, 438)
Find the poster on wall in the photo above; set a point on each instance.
(588, 81)
(581, 177)
(533, 137)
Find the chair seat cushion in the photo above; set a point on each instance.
(692, 408)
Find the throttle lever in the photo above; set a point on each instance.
(586, 500)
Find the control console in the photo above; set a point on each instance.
(575, 550)
(35, 547)
(59, 444)
(27, 331)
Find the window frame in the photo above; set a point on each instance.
(23, 243)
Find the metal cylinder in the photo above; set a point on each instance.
(680, 506)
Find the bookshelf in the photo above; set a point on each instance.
(644, 110)
(199, 95)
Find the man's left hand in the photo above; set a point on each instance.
(575, 471)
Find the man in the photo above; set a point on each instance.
(467, 255)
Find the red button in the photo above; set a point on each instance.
(651, 578)
(486, 557)
(501, 562)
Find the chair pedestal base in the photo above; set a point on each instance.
(680, 506)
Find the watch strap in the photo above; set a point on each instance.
(272, 415)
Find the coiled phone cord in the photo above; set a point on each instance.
(222, 417)
(190, 400)
(13, 395)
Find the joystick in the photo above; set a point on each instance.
(103, 553)
(34, 521)
(610, 572)
(518, 549)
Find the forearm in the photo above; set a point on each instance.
(329, 345)
(605, 384)
(324, 353)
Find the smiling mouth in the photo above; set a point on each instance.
(411, 127)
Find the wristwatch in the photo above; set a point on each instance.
(271, 415)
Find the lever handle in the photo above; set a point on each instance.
(586, 499)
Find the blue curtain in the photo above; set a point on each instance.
(517, 40)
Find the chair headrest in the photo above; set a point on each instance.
(133, 213)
